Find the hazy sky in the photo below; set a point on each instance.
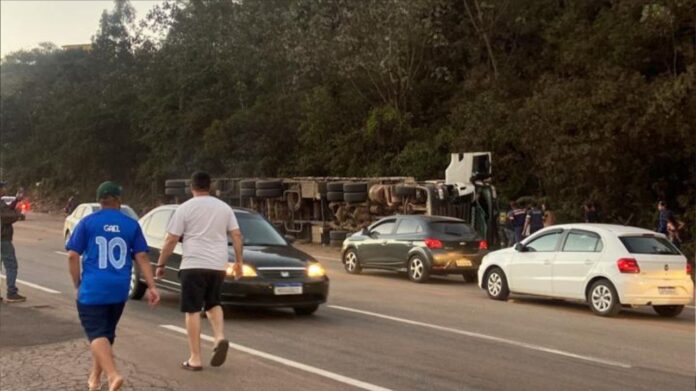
(25, 23)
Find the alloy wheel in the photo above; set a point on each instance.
(351, 261)
(417, 268)
(495, 284)
(602, 298)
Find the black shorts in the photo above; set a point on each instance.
(100, 320)
(200, 289)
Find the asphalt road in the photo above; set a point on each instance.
(379, 331)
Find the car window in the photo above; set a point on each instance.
(86, 211)
(648, 245)
(583, 242)
(384, 228)
(452, 228)
(408, 226)
(543, 244)
(158, 224)
(77, 213)
(257, 231)
(128, 211)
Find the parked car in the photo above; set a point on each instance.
(607, 266)
(275, 273)
(420, 245)
(83, 210)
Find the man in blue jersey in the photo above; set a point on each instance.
(108, 240)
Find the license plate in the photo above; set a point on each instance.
(463, 262)
(666, 290)
(287, 289)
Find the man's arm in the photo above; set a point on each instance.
(74, 267)
(238, 242)
(8, 215)
(144, 264)
(167, 249)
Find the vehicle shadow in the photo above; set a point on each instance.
(453, 279)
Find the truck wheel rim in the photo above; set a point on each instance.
(417, 268)
(601, 298)
(495, 284)
(351, 261)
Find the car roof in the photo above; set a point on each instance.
(618, 230)
(431, 218)
(236, 209)
(93, 204)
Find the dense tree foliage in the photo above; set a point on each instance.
(577, 100)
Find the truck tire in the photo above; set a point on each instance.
(355, 197)
(175, 191)
(336, 243)
(338, 235)
(175, 183)
(405, 191)
(247, 184)
(269, 184)
(269, 193)
(247, 192)
(334, 187)
(355, 187)
(334, 196)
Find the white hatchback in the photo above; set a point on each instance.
(607, 266)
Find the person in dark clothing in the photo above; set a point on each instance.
(517, 219)
(508, 228)
(8, 216)
(591, 215)
(534, 219)
(663, 217)
(70, 206)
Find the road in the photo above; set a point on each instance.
(381, 332)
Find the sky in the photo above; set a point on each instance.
(26, 23)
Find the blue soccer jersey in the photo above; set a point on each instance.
(107, 241)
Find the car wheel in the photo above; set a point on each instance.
(496, 284)
(351, 262)
(668, 311)
(306, 310)
(137, 289)
(603, 299)
(470, 276)
(418, 269)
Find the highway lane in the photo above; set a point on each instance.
(446, 335)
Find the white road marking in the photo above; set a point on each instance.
(486, 337)
(294, 364)
(32, 285)
(61, 253)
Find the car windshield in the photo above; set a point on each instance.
(452, 228)
(258, 232)
(124, 208)
(648, 245)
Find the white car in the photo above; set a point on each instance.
(84, 210)
(607, 266)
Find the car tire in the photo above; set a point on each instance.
(418, 269)
(334, 196)
(470, 276)
(355, 187)
(335, 243)
(496, 284)
(668, 311)
(137, 288)
(247, 192)
(351, 263)
(269, 184)
(355, 197)
(175, 183)
(338, 235)
(247, 184)
(603, 299)
(335, 187)
(405, 191)
(306, 310)
(175, 191)
(269, 193)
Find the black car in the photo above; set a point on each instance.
(419, 245)
(275, 273)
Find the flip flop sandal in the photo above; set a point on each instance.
(220, 353)
(185, 365)
(92, 387)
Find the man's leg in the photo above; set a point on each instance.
(193, 329)
(94, 380)
(9, 260)
(101, 350)
(216, 319)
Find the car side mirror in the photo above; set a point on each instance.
(520, 247)
(291, 239)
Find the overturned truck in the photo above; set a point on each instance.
(327, 209)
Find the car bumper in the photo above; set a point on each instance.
(649, 292)
(260, 293)
(451, 262)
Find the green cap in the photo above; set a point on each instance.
(107, 189)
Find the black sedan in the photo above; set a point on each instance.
(419, 245)
(275, 273)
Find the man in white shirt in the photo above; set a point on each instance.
(205, 223)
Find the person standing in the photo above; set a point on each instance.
(591, 214)
(549, 215)
(517, 219)
(674, 228)
(8, 216)
(205, 223)
(109, 240)
(664, 215)
(534, 219)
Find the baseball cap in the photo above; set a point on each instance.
(107, 189)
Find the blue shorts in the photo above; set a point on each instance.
(100, 320)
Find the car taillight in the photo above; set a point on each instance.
(689, 268)
(483, 245)
(433, 244)
(628, 265)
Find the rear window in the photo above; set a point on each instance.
(452, 228)
(648, 245)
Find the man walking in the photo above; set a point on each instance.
(534, 220)
(109, 240)
(8, 216)
(517, 218)
(205, 223)
(664, 215)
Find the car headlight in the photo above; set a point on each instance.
(247, 271)
(315, 270)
